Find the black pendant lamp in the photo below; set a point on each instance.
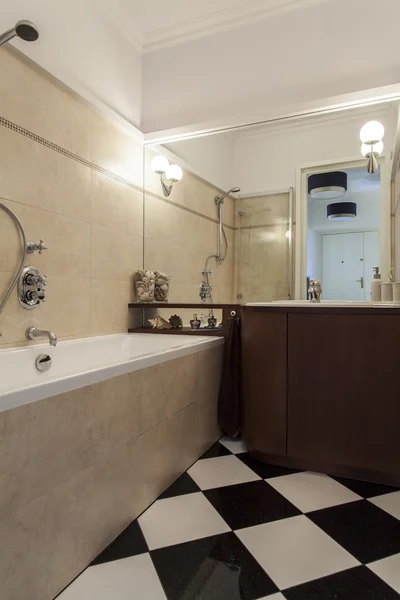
(342, 211)
(327, 185)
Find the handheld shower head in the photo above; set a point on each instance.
(220, 199)
(25, 30)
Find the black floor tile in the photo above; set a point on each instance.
(249, 504)
(130, 542)
(183, 485)
(215, 451)
(364, 530)
(355, 584)
(213, 568)
(265, 470)
(364, 488)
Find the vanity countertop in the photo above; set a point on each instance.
(326, 306)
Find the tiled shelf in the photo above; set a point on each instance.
(219, 331)
(184, 331)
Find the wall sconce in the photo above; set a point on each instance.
(170, 174)
(371, 135)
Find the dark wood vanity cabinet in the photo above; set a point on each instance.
(321, 390)
(264, 380)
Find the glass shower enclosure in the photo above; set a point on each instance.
(264, 246)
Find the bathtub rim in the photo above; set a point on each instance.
(13, 398)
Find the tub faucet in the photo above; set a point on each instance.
(32, 333)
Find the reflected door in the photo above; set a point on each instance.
(343, 267)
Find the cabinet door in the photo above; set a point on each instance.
(343, 391)
(264, 374)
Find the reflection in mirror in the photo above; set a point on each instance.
(343, 234)
(277, 234)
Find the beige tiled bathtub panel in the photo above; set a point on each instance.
(79, 467)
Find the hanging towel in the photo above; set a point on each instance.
(230, 391)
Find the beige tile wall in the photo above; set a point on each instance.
(178, 241)
(93, 221)
(263, 248)
(76, 469)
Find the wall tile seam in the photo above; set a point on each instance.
(182, 409)
(265, 226)
(185, 208)
(71, 155)
(46, 210)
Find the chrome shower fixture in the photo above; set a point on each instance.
(205, 285)
(220, 199)
(25, 30)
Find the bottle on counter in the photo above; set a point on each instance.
(376, 286)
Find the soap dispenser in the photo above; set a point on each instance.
(387, 288)
(376, 286)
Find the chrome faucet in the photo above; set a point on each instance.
(32, 333)
(205, 292)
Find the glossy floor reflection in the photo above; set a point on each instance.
(232, 528)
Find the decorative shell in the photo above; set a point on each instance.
(160, 323)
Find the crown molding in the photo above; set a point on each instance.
(311, 121)
(234, 17)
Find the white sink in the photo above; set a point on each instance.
(326, 303)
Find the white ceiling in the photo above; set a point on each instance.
(155, 24)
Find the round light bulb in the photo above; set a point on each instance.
(159, 164)
(376, 148)
(373, 131)
(174, 173)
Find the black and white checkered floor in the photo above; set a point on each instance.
(232, 528)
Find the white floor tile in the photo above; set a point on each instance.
(124, 579)
(389, 502)
(274, 597)
(180, 519)
(388, 569)
(235, 445)
(293, 551)
(221, 471)
(312, 491)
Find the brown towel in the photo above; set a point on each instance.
(229, 393)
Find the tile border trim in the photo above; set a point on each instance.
(83, 161)
(264, 226)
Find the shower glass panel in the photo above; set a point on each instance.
(263, 247)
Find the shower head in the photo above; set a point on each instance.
(220, 199)
(25, 30)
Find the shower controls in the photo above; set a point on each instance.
(43, 362)
(31, 288)
(32, 247)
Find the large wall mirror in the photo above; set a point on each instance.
(251, 214)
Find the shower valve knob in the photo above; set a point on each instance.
(32, 247)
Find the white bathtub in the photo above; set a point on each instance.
(77, 363)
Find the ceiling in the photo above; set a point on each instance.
(155, 24)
